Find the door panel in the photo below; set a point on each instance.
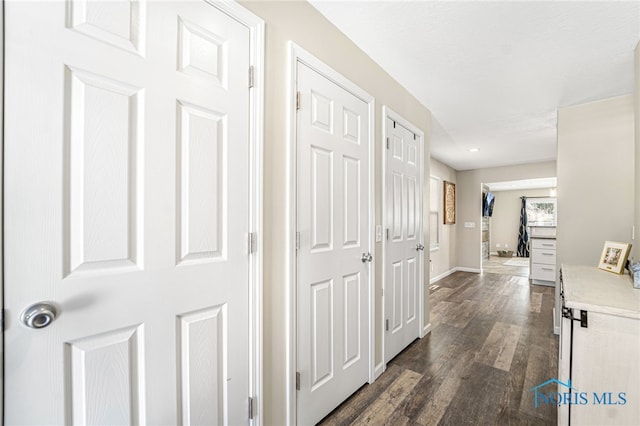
(104, 128)
(352, 315)
(332, 170)
(351, 205)
(201, 339)
(120, 354)
(412, 289)
(201, 194)
(322, 332)
(403, 262)
(321, 199)
(127, 206)
(397, 218)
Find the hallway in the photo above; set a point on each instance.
(491, 342)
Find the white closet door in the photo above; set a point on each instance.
(333, 294)
(127, 209)
(404, 248)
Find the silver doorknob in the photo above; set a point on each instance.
(367, 257)
(39, 315)
(419, 247)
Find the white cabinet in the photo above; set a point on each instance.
(543, 261)
(599, 348)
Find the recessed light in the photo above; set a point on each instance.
(474, 149)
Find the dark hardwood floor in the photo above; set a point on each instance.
(492, 340)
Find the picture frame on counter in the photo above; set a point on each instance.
(614, 256)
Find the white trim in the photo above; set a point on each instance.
(298, 54)
(426, 329)
(438, 210)
(556, 326)
(4, 373)
(443, 275)
(383, 221)
(451, 271)
(290, 238)
(389, 113)
(380, 368)
(465, 269)
(256, 28)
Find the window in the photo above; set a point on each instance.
(434, 213)
(541, 211)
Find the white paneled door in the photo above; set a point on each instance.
(333, 226)
(404, 251)
(127, 210)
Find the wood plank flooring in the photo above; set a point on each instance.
(492, 340)
(501, 265)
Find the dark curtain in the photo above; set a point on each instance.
(523, 235)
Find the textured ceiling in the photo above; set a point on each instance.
(493, 74)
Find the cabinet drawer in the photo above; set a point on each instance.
(540, 243)
(548, 257)
(543, 272)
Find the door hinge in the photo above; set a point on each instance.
(394, 124)
(297, 380)
(386, 325)
(251, 77)
(297, 101)
(297, 240)
(387, 234)
(252, 242)
(252, 408)
(415, 136)
(387, 143)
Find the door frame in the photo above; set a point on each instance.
(2, 41)
(256, 27)
(297, 54)
(388, 113)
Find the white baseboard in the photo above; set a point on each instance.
(441, 276)
(464, 269)
(451, 271)
(426, 330)
(379, 370)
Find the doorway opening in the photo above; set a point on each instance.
(505, 239)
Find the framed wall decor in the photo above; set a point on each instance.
(614, 256)
(449, 203)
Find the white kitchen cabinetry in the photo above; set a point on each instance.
(599, 348)
(543, 261)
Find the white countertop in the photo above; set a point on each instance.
(594, 290)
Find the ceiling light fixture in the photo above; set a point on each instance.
(474, 149)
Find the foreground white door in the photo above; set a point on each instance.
(404, 252)
(333, 226)
(127, 208)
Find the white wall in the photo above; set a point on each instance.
(443, 260)
(469, 203)
(636, 244)
(300, 22)
(505, 222)
(595, 178)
